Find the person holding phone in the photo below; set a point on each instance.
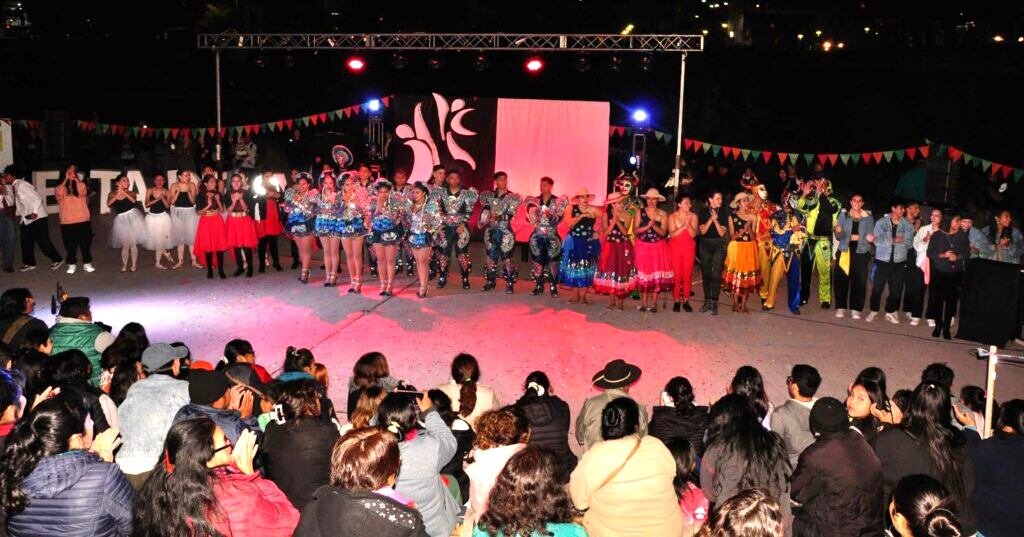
(75, 225)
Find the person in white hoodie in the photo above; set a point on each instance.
(30, 211)
(921, 238)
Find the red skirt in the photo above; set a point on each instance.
(615, 269)
(653, 268)
(241, 232)
(211, 237)
(271, 222)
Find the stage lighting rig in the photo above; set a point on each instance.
(355, 64)
(480, 63)
(399, 60)
(534, 65)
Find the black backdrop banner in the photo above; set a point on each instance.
(456, 132)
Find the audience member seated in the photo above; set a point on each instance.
(692, 502)
(464, 436)
(469, 398)
(371, 369)
(549, 418)
(922, 507)
(749, 383)
(791, 419)
(365, 413)
(499, 435)
(999, 466)
(678, 417)
(76, 330)
(615, 380)
(211, 395)
(16, 320)
(750, 513)
(12, 402)
(70, 371)
(239, 351)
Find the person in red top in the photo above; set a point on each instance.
(205, 486)
(240, 228)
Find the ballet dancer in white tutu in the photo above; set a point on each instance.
(158, 220)
(129, 229)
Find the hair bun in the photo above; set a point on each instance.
(942, 522)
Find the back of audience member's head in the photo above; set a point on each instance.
(236, 350)
(178, 496)
(76, 307)
(680, 393)
(13, 301)
(366, 406)
(127, 372)
(928, 422)
(620, 418)
(750, 513)
(748, 382)
(32, 365)
(537, 385)
(443, 405)
(37, 339)
(299, 399)
(938, 373)
(70, 368)
(686, 463)
(369, 369)
(10, 397)
(466, 373)
(974, 398)
(922, 507)
(298, 360)
(133, 334)
(806, 378)
(902, 399)
(397, 414)
(527, 495)
(365, 460)
(1011, 417)
(321, 375)
(735, 427)
(502, 427)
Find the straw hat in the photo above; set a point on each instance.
(652, 193)
(583, 193)
(736, 200)
(613, 197)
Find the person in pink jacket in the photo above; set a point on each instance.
(202, 485)
(500, 434)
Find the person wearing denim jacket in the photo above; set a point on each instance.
(892, 236)
(852, 229)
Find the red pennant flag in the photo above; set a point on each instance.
(832, 158)
(736, 153)
(621, 130)
(866, 157)
(210, 131)
(313, 119)
(323, 117)
(878, 157)
(348, 112)
(385, 101)
(223, 132)
(822, 157)
(688, 143)
(247, 129)
(697, 144)
(995, 168)
(912, 152)
(611, 131)
(280, 125)
(289, 123)
(767, 156)
(174, 133)
(1007, 170)
(357, 108)
(727, 151)
(955, 154)
(783, 157)
(924, 151)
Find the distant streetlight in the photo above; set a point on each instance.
(800, 37)
(840, 44)
(827, 45)
(998, 39)
(867, 29)
(817, 33)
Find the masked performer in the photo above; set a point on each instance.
(544, 212)
(820, 211)
(422, 220)
(787, 238)
(328, 226)
(764, 210)
(499, 206)
(582, 247)
(387, 225)
(300, 202)
(456, 208)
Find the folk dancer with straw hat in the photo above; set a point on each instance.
(742, 275)
(616, 273)
(582, 246)
(653, 268)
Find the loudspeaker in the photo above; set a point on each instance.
(990, 302)
(58, 144)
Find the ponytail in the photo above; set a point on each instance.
(537, 385)
(927, 506)
(297, 359)
(466, 372)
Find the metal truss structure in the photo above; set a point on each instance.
(457, 42)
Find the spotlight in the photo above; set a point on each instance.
(480, 63)
(640, 115)
(374, 105)
(634, 160)
(615, 64)
(435, 63)
(582, 63)
(534, 65)
(646, 62)
(399, 60)
(355, 64)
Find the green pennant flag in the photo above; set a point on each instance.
(333, 114)
(887, 155)
(706, 147)
(968, 158)
(716, 149)
(985, 164)
(745, 153)
(756, 154)
(943, 149)
(856, 158)
(166, 131)
(900, 153)
(658, 135)
(239, 129)
(793, 157)
(134, 131)
(668, 138)
(844, 157)
(808, 157)
(1017, 174)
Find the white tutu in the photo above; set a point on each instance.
(183, 225)
(129, 229)
(158, 232)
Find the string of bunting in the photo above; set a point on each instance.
(954, 153)
(195, 132)
(661, 136)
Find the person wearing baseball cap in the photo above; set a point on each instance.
(615, 379)
(213, 395)
(148, 410)
(838, 479)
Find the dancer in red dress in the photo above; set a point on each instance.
(211, 232)
(682, 247)
(241, 230)
(615, 275)
(653, 269)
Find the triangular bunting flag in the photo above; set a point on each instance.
(985, 164)
(888, 155)
(323, 117)
(174, 132)
(783, 157)
(280, 125)
(165, 131)
(900, 154)
(247, 129)
(996, 167)
(669, 137)
(314, 119)
(1007, 171)
(687, 143)
(134, 131)
(716, 149)
(706, 147)
(288, 122)
(1017, 174)
(767, 156)
(745, 153)
(697, 145)
(808, 157)
(186, 132)
(832, 158)
(333, 114)
(238, 130)
(912, 152)
(866, 157)
(955, 154)
(210, 131)
(611, 131)
(943, 149)
(822, 158)
(877, 155)
(845, 158)
(357, 108)
(658, 135)
(348, 113)
(385, 101)
(793, 157)
(304, 120)
(727, 150)
(924, 151)
(622, 131)
(968, 158)
(755, 153)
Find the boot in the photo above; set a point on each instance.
(465, 280)
(239, 260)
(275, 259)
(491, 277)
(442, 279)
(714, 307)
(261, 254)
(554, 289)
(509, 287)
(538, 285)
(209, 266)
(220, 265)
(677, 307)
(248, 269)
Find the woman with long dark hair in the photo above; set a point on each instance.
(300, 202)
(527, 499)
(927, 443)
(549, 419)
(298, 364)
(1007, 241)
(677, 417)
(748, 382)
(469, 398)
(240, 351)
(371, 369)
(240, 229)
(75, 226)
(742, 454)
(692, 502)
(71, 372)
(55, 480)
(158, 220)
(184, 218)
(129, 228)
(204, 485)
(922, 507)
(864, 396)
(211, 231)
(948, 252)
(424, 220)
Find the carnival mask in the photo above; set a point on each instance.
(762, 192)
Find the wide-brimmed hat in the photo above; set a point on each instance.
(613, 197)
(583, 193)
(653, 193)
(616, 374)
(736, 200)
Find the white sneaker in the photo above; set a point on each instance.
(72, 268)
(931, 323)
(914, 321)
(892, 318)
(952, 321)
(88, 267)
(871, 316)
(854, 314)
(26, 268)
(909, 316)
(840, 313)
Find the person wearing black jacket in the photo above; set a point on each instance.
(678, 417)
(549, 421)
(999, 468)
(297, 451)
(70, 372)
(16, 320)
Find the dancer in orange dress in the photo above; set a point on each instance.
(742, 275)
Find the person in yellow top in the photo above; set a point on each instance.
(75, 225)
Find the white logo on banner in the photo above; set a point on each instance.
(418, 137)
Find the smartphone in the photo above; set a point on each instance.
(960, 406)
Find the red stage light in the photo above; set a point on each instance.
(534, 65)
(355, 64)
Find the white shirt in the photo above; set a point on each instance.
(27, 201)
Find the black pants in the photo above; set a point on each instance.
(944, 293)
(77, 238)
(268, 242)
(35, 233)
(891, 275)
(913, 289)
(806, 269)
(852, 288)
(712, 261)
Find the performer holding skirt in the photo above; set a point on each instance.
(423, 219)
(158, 220)
(300, 203)
(616, 275)
(184, 217)
(741, 275)
(129, 229)
(240, 228)
(211, 231)
(653, 269)
(581, 248)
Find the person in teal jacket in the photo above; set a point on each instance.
(820, 211)
(75, 330)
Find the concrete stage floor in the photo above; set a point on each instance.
(510, 335)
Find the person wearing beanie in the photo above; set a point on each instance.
(838, 478)
(213, 395)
